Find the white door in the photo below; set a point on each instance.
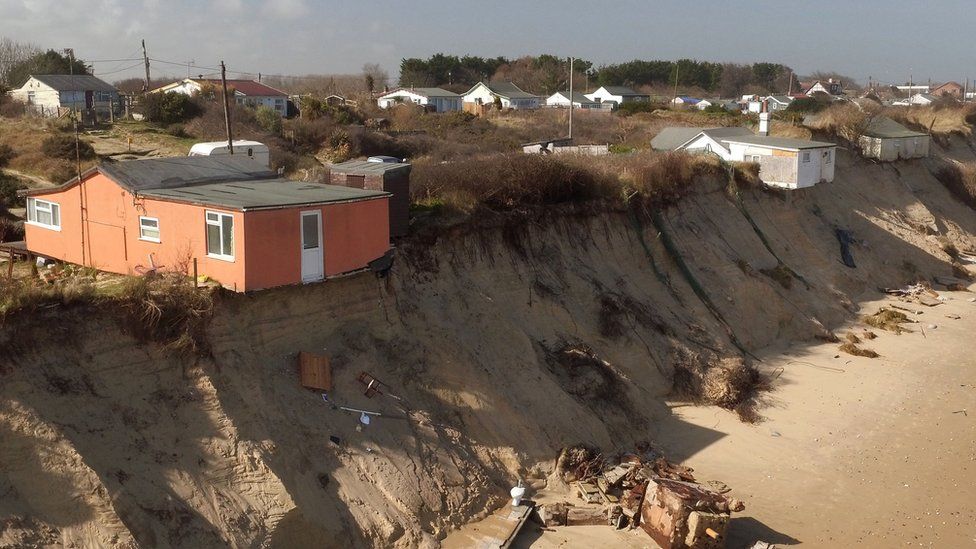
(313, 264)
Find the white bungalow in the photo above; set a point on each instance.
(560, 99)
(51, 94)
(616, 95)
(508, 94)
(438, 99)
(702, 140)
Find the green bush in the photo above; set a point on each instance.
(8, 192)
(634, 107)
(268, 119)
(63, 146)
(808, 104)
(169, 108)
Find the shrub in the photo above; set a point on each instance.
(64, 147)
(845, 121)
(6, 154)
(808, 104)
(8, 192)
(506, 182)
(634, 107)
(269, 119)
(670, 176)
(177, 130)
(169, 108)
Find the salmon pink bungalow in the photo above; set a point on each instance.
(246, 228)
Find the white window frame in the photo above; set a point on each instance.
(47, 206)
(218, 222)
(829, 156)
(806, 157)
(142, 228)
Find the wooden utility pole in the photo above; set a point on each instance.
(223, 84)
(677, 67)
(145, 59)
(571, 97)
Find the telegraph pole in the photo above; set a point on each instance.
(145, 59)
(223, 84)
(674, 100)
(571, 97)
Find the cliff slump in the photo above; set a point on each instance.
(498, 345)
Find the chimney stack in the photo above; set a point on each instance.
(764, 119)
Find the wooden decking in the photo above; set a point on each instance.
(14, 250)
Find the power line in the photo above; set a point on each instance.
(119, 70)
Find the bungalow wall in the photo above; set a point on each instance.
(704, 143)
(353, 234)
(111, 238)
(890, 149)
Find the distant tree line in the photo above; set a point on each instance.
(20, 60)
(547, 73)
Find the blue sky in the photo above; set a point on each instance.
(884, 39)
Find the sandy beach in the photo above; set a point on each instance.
(854, 451)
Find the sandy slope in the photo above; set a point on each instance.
(151, 450)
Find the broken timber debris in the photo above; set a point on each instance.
(661, 497)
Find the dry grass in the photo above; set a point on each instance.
(852, 349)
(940, 121)
(25, 137)
(504, 183)
(960, 179)
(887, 319)
(783, 129)
(729, 383)
(845, 121)
(165, 308)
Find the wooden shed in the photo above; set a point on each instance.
(392, 177)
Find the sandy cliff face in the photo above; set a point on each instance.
(107, 441)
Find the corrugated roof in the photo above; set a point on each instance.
(778, 142)
(509, 90)
(671, 138)
(362, 167)
(75, 82)
(886, 128)
(158, 173)
(263, 193)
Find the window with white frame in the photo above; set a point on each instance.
(828, 156)
(44, 213)
(806, 156)
(149, 229)
(220, 235)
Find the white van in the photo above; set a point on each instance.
(251, 149)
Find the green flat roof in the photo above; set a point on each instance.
(262, 193)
